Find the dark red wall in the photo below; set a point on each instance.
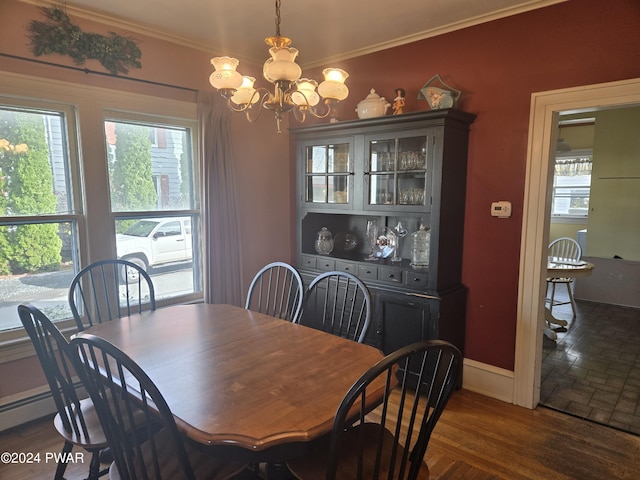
(497, 66)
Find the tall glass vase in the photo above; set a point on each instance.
(372, 237)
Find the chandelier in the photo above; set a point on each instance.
(290, 94)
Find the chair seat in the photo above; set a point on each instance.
(95, 438)
(312, 466)
(205, 467)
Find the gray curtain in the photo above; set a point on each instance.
(221, 255)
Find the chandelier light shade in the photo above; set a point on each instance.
(305, 94)
(225, 76)
(333, 86)
(290, 94)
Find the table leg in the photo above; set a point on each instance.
(551, 319)
(550, 333)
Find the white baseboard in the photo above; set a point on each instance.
(488, 380)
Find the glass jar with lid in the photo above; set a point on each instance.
(324, 242)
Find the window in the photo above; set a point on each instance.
(156, 184)
(131, 193)
(38, 224)
(572, 185)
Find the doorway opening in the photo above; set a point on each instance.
(545, 111)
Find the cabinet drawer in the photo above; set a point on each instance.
(349, 267)
(416, 279)
(369, 272)
(390, 274)
(326, 264)
(308, 261)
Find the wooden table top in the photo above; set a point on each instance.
(236, 377)
(567, 268)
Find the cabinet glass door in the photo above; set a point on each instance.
(382, 170)
(398, 172)
(328, 169)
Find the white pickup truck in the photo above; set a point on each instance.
(153, 242)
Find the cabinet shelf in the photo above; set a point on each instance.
(407, 168)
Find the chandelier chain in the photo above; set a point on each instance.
(278, 18)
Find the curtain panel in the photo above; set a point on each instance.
(574, 166)
(221, 251)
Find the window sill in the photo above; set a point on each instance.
(15, 344)
(570, 220)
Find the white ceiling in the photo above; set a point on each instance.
(323, 31)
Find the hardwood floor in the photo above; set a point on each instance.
(479, 437)
(476, 438)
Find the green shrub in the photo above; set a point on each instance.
(132, 177)
(27, 185)
(30, 254)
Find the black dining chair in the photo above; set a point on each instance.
(109, 289)
(120, 390)
(76, 421)
(338, 303)
(276, 290)
(390, 441)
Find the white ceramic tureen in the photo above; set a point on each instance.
(372, 106)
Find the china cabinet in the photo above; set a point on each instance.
(373, 183)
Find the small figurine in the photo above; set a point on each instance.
(398, 102)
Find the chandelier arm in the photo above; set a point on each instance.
(241, 107)
(237, 108)
(300, 110)
(317, 114)
(248, 116)
(300, 113)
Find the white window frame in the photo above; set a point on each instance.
(570, 218)
(87, 106)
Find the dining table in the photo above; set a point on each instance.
(243, 384)
(558, 267)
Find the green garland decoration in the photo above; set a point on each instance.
(58, 34)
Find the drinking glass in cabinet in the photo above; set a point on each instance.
(411, 160)
(382, 156)
(411, 196)
(382, 161)
(381, 191)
